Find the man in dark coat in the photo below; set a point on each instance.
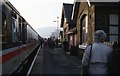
(66, 46)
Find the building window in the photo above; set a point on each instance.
(113, 28)
(113, 38)
(113, 18)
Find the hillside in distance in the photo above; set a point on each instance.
(46, 31)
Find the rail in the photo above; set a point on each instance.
(29, 71)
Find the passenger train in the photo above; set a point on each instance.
(17, 38)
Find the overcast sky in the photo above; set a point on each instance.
(40, 13)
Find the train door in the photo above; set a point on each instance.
(19, 29)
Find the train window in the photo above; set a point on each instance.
(14, 30)
(20, 30)
(31, 35)
(14, 15)
(24, 32)
(4, 30)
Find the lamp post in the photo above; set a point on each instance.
(57, 26)
(57, 23)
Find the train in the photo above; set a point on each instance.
(17, 38)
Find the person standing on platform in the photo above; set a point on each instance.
(41, 42)
(99, 56)
(115, 45)
(66, 45)
(52, 44)
(115, 62)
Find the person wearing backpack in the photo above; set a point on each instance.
(97, 55)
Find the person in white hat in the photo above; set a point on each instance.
(100, 55)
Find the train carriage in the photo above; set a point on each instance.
(17, 38)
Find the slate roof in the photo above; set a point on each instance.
(68, 11)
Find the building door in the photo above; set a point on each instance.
(84, 29)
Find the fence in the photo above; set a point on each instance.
(109, 43)
(82, 48)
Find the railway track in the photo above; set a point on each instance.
(26, 66)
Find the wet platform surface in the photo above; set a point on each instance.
(54, 61)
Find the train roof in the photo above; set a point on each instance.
(11, 6)
(15, 10)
